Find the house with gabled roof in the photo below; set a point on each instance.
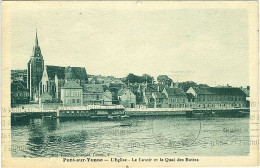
(190, 100)
(176, 97)
(126, 98)
(107, 97)
(92, 94)
(160, 100)
(71, 94)
(148, 99)
(96, 94)
(153, 97)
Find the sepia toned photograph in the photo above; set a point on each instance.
(125, 83)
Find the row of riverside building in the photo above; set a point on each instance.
(71, 86)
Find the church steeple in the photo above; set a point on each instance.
(36, 49)
(36, 40)
(35, 70)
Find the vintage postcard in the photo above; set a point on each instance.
(130, 84)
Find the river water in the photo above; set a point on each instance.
(142, 136)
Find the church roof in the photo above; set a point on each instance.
(76, 73)
(64, 73)
(53, 70)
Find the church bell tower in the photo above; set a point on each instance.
(35, 71)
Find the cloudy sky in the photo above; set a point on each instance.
(203, 45)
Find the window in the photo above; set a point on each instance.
(47, 86)
(78, 100)
(73, 100)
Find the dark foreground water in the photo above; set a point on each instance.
(146, 136)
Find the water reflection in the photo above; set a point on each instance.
(146, 136)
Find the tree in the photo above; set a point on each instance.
(147, 78)
(164, 79)
(132, 78)
(186, 85)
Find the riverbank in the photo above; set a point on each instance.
(117, 112)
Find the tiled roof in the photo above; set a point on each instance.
(115, 84)
(121, 91)
(218, 91)
(105, 87)
(247, 92)
(72, 85)
(175, 92)
(93, 88)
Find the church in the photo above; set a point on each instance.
(49, 79)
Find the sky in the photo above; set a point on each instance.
(202, 45)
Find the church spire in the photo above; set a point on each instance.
(36, 40)
(36, 49)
